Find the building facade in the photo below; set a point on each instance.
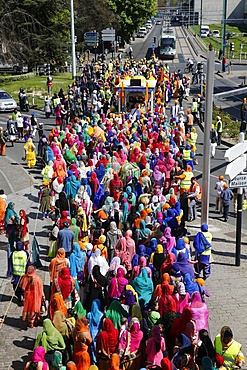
(212, 11)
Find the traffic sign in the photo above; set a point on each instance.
(108, 34)
(235, 151)
(109, 31)
(93, 34)
(153, 47)
(240, 181)
(235, 167)
(91, 38)
(92, 43)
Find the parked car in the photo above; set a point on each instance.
(143, 29)
(158, 23)
(141, 34)
(204, 33)
(13, 67)
(229, 34)
(7, 103)
(215, 33)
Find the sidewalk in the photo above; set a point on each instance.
(16, 340)
(227, 303)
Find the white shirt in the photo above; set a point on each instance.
(219, 187)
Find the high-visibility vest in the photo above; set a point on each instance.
(193, 189)
(219, 126)
(19, 259)
(230, 354)
(186, 182)
(208, 236)
(186, 154)
(56, 101)
(194, 106)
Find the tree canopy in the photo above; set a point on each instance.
(38, 31)
(132, 14)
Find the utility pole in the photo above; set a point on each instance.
(201, 18)
(223, 39)
(239, 215)
(207, 128)
(72, 25)
(189, 15)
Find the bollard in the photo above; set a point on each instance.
(8, 274)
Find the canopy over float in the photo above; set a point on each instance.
(136, 92)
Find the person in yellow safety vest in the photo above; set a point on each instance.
(229, 349)
(219, 129)
(188, 156)
(193, 138)
(202, 244)
(185, 179)
(194, 195)
(19, 261)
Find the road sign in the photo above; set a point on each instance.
(235, 151)
(91, 38)
(239, 181)
(93, 34)
(153, 47)
(109, 31)
(108, 34)
(90, 43)
(235, 167)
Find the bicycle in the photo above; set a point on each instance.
(187, 69)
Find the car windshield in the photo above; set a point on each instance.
(4, 95)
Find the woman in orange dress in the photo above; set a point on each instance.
(82, 339)
(2, 213)
(32, 285)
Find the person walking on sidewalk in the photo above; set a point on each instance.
(2, 142)
(213, 141)
(19, 261)
(202, 245)
(219, 128)
(226, 196)
(229, 349)
(219, 188)
(193, 196)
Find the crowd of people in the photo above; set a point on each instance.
(127, 284)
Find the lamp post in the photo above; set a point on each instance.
(223, 40)
(72, 25)
(189, 15)
(201, 18)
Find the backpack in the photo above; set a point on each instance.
(201, 244)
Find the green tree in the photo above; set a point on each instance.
(132, 14)
(34, 31)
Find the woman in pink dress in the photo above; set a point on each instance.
(126, 247)
(155, 347)
(199, 311)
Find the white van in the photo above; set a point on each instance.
(205, 31)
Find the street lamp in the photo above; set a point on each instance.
(72, 24)
(201, 18)
(223, 40)
(189, 15)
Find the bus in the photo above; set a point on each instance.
(167, 44)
